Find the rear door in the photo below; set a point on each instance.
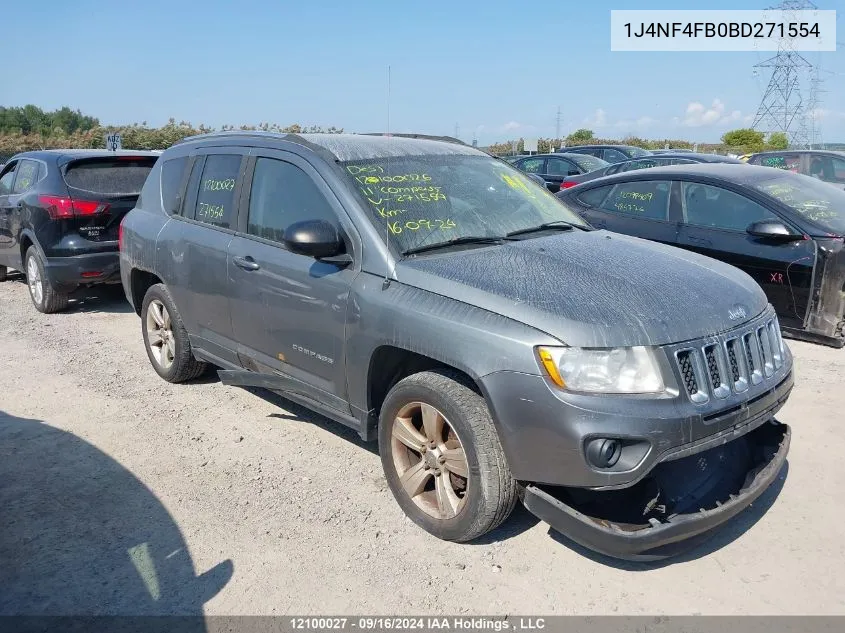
(193, 248)
(640, 208)
(714, 223)
(289, 310)
(104, 189)
(556, 170)
(27, 175)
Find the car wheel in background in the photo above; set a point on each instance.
(44, 297)
(166, 339)
(442, 458)
(2, 273)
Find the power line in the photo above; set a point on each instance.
(782, 108)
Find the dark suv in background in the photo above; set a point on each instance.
(609, 153)
(60, 212)
(499, 348)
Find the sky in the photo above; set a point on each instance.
(491, 70)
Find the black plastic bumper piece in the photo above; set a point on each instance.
(659, 540)
(66, 273)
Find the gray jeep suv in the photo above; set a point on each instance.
(499, 348)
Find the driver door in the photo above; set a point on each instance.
(289, 310)
(715, 222)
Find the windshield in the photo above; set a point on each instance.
(814, 199)
(636, 152)
(423, 200)
(589, 163)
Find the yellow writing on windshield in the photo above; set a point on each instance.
(517, 184)
(421, 223)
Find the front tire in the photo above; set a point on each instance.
(166, 339)
(442, 457)
(44, 296)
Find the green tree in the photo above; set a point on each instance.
(778, 141)
(582, 136)
(744, 138)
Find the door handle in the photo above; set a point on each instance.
(247, 263)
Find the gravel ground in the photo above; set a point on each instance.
(122, 493)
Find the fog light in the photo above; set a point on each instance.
(603, 452)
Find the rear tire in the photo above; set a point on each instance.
(166, 339)
(434, 429)
(44, 297)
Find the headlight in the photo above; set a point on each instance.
(615, 370)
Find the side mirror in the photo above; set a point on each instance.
(318, 239)
(538, 179)
(772, 230)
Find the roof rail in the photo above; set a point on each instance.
(446, 139)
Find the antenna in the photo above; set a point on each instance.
(386, 281)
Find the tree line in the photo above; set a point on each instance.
(30, 128)
(742, 141)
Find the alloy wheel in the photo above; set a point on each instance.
(33, 277)
(430, 460)
(160, 334)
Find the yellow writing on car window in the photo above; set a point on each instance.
(517, 184)
(374, 180)
(621, 206)
(635, 195)
(210, 211)
(415, 225)
(210, 184)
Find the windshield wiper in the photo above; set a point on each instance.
(558, 225)
(466, 239)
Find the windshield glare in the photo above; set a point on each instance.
(590, 163)
(814, 199)
(636, 152)
(424, 200)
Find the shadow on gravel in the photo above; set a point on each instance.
(296, 413)
(723, 536)
(80, 535)
(103, 298)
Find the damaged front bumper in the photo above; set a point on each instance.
(678, 506)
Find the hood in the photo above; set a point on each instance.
(595, 289)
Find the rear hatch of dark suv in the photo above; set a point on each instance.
(101, 190)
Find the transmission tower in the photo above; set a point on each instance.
(782, 108)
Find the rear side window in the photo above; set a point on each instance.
(110, 176)
(561, 167)
(613, 155)
(172, 172)
(788, 162)
(594, 197)
(532, 165)
(644, 198)
(216, 197)
(27, 176)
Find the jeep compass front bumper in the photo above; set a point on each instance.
(677, 507)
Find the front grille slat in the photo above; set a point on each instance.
(733, 362)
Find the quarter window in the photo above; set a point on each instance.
(281, 195)
(172, 172)
(709, 206)
(644, 198)
(613, 155)
(216, 196)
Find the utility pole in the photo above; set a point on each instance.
(557, 121)
(457, 131)
(782, 108)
